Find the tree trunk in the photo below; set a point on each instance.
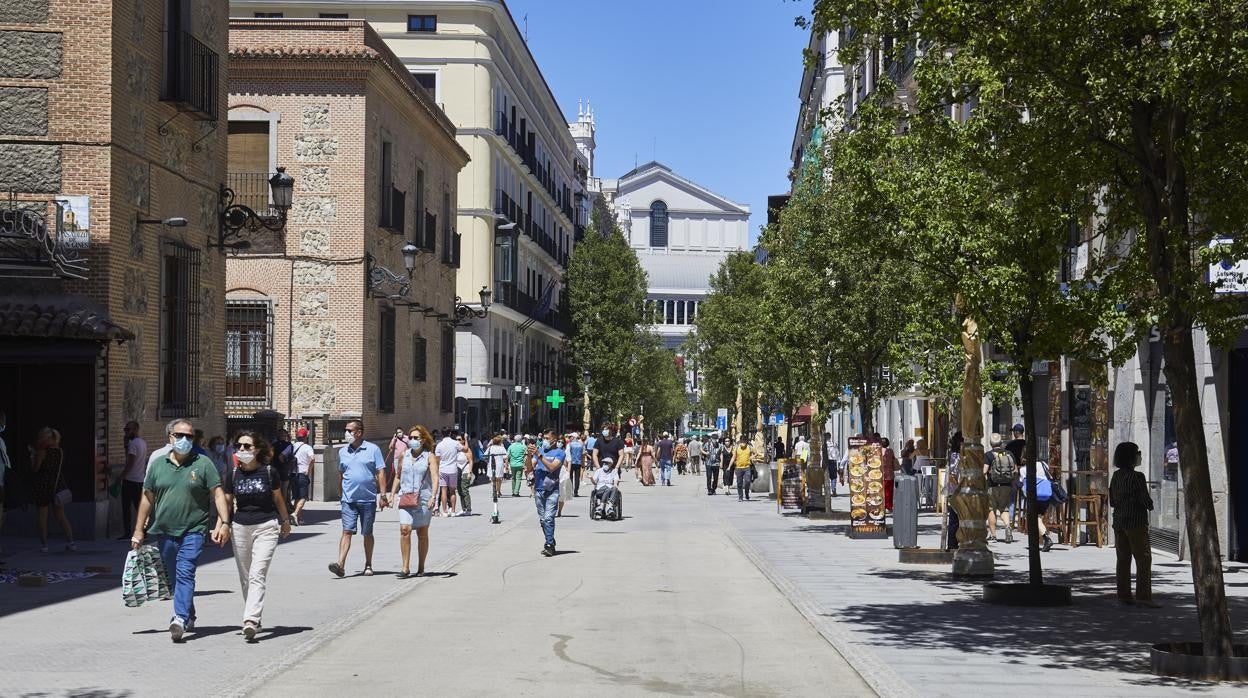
(865, 411)
(1202, 526)
(1026, 389)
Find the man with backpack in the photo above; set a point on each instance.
(1001, 470)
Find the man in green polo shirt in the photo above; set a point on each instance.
(177, 492)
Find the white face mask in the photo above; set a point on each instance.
(349, 435)
(245, 457)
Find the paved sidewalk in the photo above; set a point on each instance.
(915, 630)
(658, 604)
(77, 638)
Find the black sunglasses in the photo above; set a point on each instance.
(243, 447)
(180, 435)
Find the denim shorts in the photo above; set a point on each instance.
(301, 486)
(416, 517)
(364, 512)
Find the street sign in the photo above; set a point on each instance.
(632, 421)
(721, 419)
(779, 419)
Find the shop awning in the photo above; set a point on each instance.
(802, 415)
(65, 317)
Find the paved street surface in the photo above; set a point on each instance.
(690, 595)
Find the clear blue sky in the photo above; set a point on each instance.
(707, 87)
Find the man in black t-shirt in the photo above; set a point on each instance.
(608, 445)
(1016, 446)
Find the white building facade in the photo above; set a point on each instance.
(521, 203)
(681, 232)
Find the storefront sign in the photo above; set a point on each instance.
(75, 222)
(1228, 275)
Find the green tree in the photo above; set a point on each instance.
(729, 338)
(1152, 97)
(606, 294)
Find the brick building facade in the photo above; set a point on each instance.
(375, 164)
(108, 118)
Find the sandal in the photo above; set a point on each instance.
(337, 569)
(404, 574)
(368, 571)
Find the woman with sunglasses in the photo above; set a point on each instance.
(253, 490)
(413, 494)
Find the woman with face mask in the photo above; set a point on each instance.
(414, 494)
(253, 491)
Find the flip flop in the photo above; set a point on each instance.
(337, 569)
(368, 571)
(404, 574)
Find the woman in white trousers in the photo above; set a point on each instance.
(254, 492)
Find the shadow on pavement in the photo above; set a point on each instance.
(1095, 633)
(281, 631)
(98, 693)
(213, 592)
(565, 552)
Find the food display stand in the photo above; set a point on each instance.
(792, 492)
(866, 490)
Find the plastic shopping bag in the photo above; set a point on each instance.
(143, 578)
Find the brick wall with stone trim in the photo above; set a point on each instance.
(338, 99)
(80, 84)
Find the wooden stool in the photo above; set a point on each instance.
(1094, 522)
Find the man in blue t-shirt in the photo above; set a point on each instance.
(550, 458)
(576, 454)
(362, 474)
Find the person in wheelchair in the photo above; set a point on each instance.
(605, 502)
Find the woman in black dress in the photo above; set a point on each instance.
(47, 462)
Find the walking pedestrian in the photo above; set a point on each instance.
(1128, 495)
(726, 463)
(465, 463)
(496, 458)
(414, 496)
(284, 460)
(952, 477)
(1044, 495)
(666, 449)
(1001, 470)
(305, 468)
(801, 450)
(565, 480)
(712, 469)
(217, 454)
(447, 452)
(576, 453)
(516, 454)
(695, 456)
(681, 454)
(132, 475)
(645, 464)
(253, 492)
(50, 488)
(743, 463)
(178, 491)
(888, 463)
(831, 457)
(362, 476)
(778, 448)
(545, 469)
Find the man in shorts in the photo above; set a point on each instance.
(447, 452)
(1001, 471)
(362, 474)
(301, 482)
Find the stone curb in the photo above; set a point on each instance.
(877, 673)
(249, 683)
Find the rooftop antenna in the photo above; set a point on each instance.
(526, 27)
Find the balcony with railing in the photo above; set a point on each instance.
(252, 189)
(192, 78)
(511, 296)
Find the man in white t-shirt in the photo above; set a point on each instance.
(606, 487)
(132, 477)
(305, 465)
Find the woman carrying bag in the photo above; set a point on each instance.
(253, 491)
(47, 461)
(414, 496)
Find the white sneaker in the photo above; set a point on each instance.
(176, 629)
(249, 631)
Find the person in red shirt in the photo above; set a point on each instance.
(888, 463)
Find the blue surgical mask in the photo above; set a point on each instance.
(606, 432)
(219, 448)
(545, 443)
(415, 446)
(182, 445)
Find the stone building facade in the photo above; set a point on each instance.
(108, 119)
(375, 162)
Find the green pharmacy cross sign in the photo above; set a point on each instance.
(555, 399)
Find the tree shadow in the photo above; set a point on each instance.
(1095, 633)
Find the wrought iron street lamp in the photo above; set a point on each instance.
(236, 219)
(465, 314)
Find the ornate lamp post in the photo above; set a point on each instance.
(585, 414)
(515, 409)
(380, 278)
(235, 219)
(465, 314)
(972, 559)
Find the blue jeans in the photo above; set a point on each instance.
(665, 471)
(180, 555)
(363, 512)
(547, 504)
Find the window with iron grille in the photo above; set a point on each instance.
(179, 330)
(249, 352)
(658, 224)
(385, 362)
(448, 368)
(420, 359)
